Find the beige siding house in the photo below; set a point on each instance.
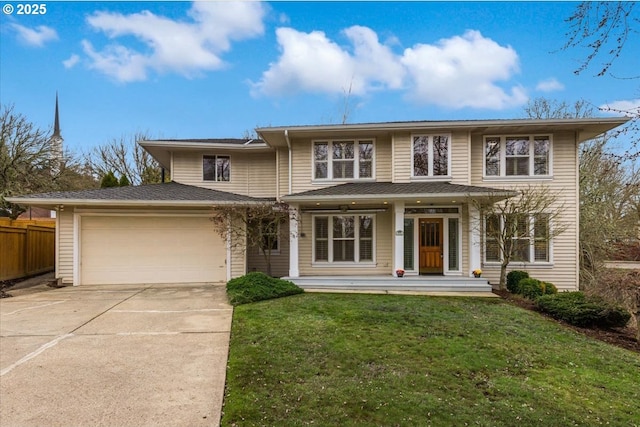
(366, 201)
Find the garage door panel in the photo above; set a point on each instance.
(150, 250)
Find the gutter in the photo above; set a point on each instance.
(132, 203)
(396, 196)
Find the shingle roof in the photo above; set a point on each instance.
(161, 193)
(390, 189)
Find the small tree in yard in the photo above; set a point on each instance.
(255, 225)
(509, 225)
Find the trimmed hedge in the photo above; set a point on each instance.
(580, 310)
(513, 279)
(530, 288)
(258, 286)
(549, 288)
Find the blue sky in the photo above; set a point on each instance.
(220, 69)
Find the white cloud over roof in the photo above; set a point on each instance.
(186, 47)
(462, 71)
(549, 85)
(37, 36)
(310, 62)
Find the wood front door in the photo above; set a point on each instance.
(430, 239)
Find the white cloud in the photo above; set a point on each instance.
(180, 46)
(549, 85)
(71, 62)
(458, 72)
(629, 107)
(35, 37)
(462, 71)
(310, 62)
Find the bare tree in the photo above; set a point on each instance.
(25, 159)
(544, 108)
(604, 28)
(510, 226)
(253, 226)
(125, 157)
(607, 30)
(609, 198)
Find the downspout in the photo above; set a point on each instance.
(286, 137)
(277, 174)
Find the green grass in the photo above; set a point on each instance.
(365, 360)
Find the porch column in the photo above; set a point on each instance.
(475, 257)
(398, 231)
(294, 216)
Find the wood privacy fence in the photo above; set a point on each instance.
(26, 248)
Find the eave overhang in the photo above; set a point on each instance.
(585, 128)
(364, 193)
(161, 149)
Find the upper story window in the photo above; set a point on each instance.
(343, 159)
(517, 155)
(216, 168)
(431, 155)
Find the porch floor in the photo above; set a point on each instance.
(441, 285)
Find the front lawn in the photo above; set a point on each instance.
(339, 359)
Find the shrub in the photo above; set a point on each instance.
(258, 286)
(579, 310)
(549, 288)
(530, 288)
(513, 278)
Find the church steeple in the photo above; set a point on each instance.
(56, 141)
(56, 122)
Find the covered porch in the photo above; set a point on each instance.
(360, 235)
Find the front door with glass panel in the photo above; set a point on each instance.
(431, 251)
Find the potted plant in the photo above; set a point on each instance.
(400, 272)
(477, 272)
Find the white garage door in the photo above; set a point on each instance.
(127, 249)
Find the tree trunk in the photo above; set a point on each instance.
(503, 275)
(267, 260)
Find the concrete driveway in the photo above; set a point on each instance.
(149, 355)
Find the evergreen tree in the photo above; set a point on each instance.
(109, 180)
(124, 181)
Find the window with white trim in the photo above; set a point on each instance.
(216, 168)
(517, 155)
(338, 160)
(431, 155)
(343, 238)
(270, 232)
(529, 240)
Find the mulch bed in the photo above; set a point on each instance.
(622, 337)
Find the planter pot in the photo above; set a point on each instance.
(476, 275)
(400, 273)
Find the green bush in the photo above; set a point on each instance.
(549, 288)
(580, 310)
(513, 278)
(530, 288)
(258, 286)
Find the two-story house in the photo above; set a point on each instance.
(366, 200)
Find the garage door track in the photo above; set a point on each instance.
(147, 355)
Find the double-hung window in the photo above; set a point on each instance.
(216, 168)
(517, 155)
(339, 160)
(526, 237)
(431, 155)
(344, 238)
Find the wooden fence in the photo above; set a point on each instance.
(26, 248)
